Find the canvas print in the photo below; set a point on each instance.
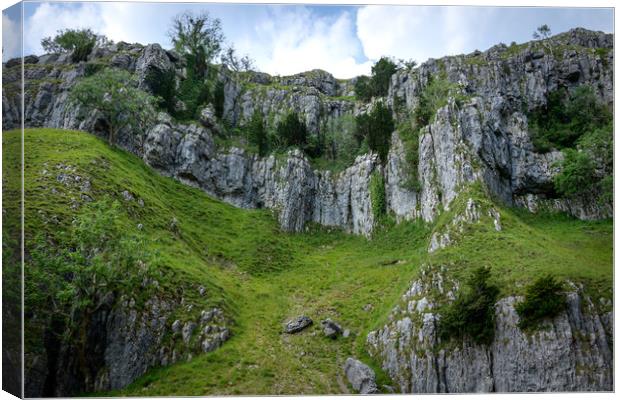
(206, 199)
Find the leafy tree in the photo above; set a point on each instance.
(542, 32)
(577, 175)
(292, 131)
(80, 42)
(257, 134)
(544, 298)
(407, 64)
(199, 36)
(376, 128)
(472, 314)
(164, 86)
(566, 117)
(382, 72)
(378, 83)
(363, 88)
(113, 93)
(232, 61)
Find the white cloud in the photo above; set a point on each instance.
(11, 38)
(286, 42)
(49, 18)
(282, 40)
(418, 33)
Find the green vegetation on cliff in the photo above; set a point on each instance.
(263, 277)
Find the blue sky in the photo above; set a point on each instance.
(285, 39)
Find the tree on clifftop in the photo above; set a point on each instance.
(198, 36)
(79, 42)
(542, 32)
(114, 94)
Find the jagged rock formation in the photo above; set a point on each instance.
(572, 352)
(486, 136)
(121, 341)
(482, 137)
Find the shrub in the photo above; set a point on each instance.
(566, 118)
(96, 256)
(91, 68)
(256, 133)
(363, 88)
(292, 131)
(113, 93)
(377, 196)
(577, 176)
(410, 138)
(379, 82)
(163, 84)
(376, 128)
(433, 97)
(382, 72)
(80, 42)
(340, 143)
(472, 314)
(543, 299)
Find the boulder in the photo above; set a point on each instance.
(298, 324)
(208, 118)
(361, 376)
(153, 59)
(331, 329)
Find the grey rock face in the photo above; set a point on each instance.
(483, 137)
(122, 342)
(361, 376)
(298, 324)
(486, 137)
(152, 59)
(572, 352)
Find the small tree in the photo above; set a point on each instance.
(198, 36)
(257, 134)
(578, 174)
(363, 88)
(232, 61)
(113, 93)
(376, 127)
(382, 72)
(542, 32)
(80, 42)
(292, 131)
(407, 64)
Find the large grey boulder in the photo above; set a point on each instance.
(153, 59)
(360, 376)
(298, 324)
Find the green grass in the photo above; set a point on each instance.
(262, 277)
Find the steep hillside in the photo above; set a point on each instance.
(452, 226)
(260, 277)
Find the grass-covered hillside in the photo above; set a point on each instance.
(260, 276)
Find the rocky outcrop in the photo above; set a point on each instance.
(484, 135)
(571, 352)
(360, 376)
(480, 135)
(116, 344)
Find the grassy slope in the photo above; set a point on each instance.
(264, 277)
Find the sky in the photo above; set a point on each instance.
(287, 39)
